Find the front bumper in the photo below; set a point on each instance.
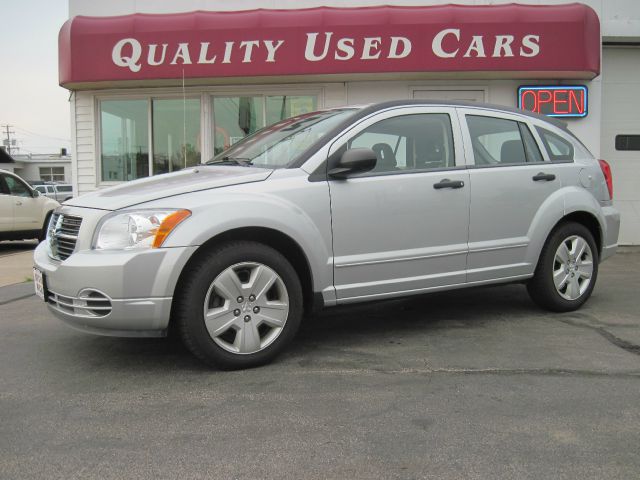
(119, 293)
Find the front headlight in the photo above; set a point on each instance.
(138, 229)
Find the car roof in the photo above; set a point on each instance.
(374, 107)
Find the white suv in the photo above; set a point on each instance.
(23, 212)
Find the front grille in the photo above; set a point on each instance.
(63, 235)
(90, 303)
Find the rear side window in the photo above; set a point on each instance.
(559, 149)
(497, 141)
(65, 188)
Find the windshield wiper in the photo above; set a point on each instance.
(243, 162)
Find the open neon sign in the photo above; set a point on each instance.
(554, 101)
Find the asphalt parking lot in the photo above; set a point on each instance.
(469, 384)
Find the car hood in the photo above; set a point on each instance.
(202, 177)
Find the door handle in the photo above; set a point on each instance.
(544, 177)
(18, 202)
(446, 183)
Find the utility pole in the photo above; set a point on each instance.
(7, 141)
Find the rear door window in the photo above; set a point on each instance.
(499, 141)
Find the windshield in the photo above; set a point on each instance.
(278, 145)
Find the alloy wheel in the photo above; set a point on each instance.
(246, 308)
(573, 267)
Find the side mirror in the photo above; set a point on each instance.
(355, 160)
(36, 193)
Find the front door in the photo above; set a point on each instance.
(6, 207)
(26, 208)
(402, 227)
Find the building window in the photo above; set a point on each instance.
(279, 107)
(628, 142)
(176, 134)
(52, 174)
(149, 136)
(236, 117)
(124, 133)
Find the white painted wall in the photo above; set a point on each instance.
(619, 18)
(621, 115)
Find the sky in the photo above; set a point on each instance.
(30, 98)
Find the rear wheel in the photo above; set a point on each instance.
(567, 270)
(239, 306)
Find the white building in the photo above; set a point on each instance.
(153, 93)
(44, 167)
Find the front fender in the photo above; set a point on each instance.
(299, 210)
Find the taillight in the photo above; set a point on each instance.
(606, 170)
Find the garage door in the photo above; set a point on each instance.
(620, 143)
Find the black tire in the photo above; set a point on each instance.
(189, 307)
(43, 232)
(541, 287)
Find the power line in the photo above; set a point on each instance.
(29, 132)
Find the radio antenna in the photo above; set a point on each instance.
(184, 121)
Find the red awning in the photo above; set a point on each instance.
(498, 41)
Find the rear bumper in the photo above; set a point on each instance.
(612, 230)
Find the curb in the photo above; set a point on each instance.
(16, 291)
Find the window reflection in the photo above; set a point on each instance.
(236, 117)
(176, 134)
(124, 139)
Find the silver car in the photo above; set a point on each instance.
(329, 208)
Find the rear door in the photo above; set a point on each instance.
(395, 231)
(510, 180)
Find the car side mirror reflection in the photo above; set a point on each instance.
(353, 161)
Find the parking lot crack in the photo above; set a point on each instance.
(481, 371)
(607, 335)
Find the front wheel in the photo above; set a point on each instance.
(567, 270)
(239, 306)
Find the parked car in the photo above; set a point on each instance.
(60, 192)
(333, 207)
(24, 214)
